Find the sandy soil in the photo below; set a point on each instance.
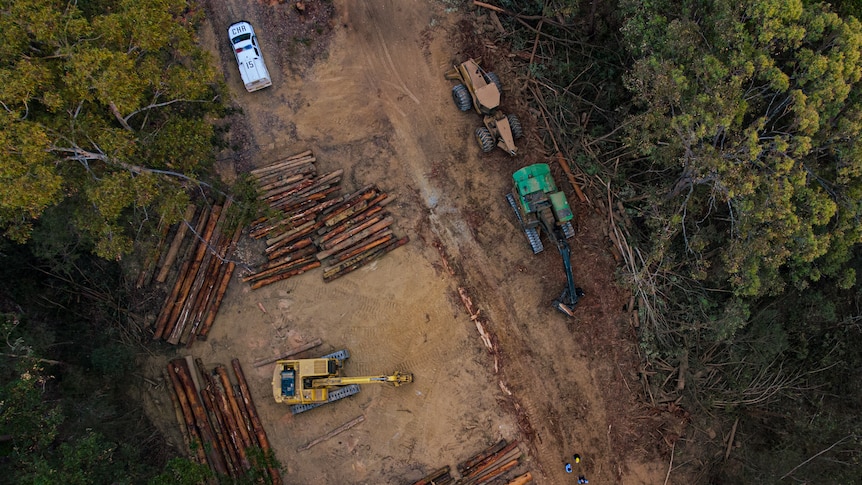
(361, 84)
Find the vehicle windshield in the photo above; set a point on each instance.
(240, 38)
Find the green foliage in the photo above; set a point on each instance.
(182, 471)
(755, 108)
(101, 100)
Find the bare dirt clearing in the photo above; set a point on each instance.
(361, 84)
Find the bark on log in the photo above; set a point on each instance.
(350, 206)
(494, 473)
(221, 431)
(177, 242)
(205, 294)
(298, 249)
(376, 253)
(152, 259)
(356, 238)
(188, 415)
(355, 230)
(569, 175)
(221, 288)
(433, 477)
(326, 233)
(234, 406)
(294, 232)
(181, 420)
(233, 439)
(254, 417)
(200, 252)
(278, 163)
(354, 254)
(167, 308)
(214, 454)
(503, 456)
(289, 353)
(522, 479)
(482, 456)
(284, 276)
(282, 268)
(477, 466)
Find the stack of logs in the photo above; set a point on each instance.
(483, 468)
(315, 225)
(220, 423)
(191, 306)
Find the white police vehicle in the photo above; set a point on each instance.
(247, 51)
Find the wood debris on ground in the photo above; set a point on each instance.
(315, 225)
(194, 298)
(218, 420)
(489, 465)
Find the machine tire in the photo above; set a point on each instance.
(485, 139)
(492, 78)
(515, 124)
(462, 97)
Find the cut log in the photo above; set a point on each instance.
(289, 353)
(197, 445)
(191, 288)
(184, 430)
(434, 477)
(298, 249)
(353, 254)
(284, 276)
(335, 432)
(482, 456)
(232, 400)
(355, 238)
(214, 454)
(167, 308)
(221, 288)
(233, 429)
(355, 230)
(149, 266)
(282, 268)
(569, 175)
(254, 418)
(177, 242)
(376, 253)
(292, 233)
(274, 166)
(522, 479)
(489, 460)
(221, 431)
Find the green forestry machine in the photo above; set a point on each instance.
(540, 207)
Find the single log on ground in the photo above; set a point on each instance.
(177, 242)
(289, 353)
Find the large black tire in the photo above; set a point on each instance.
(492, 78)
(462, 97)
(515, 124)
(486, 141)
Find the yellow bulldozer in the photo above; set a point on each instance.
(308, 383)
(482, 91)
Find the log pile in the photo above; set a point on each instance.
(218, 420)
(485, 467)
(191, 305)
(315, 225)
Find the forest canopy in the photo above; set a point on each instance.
(104, 107)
